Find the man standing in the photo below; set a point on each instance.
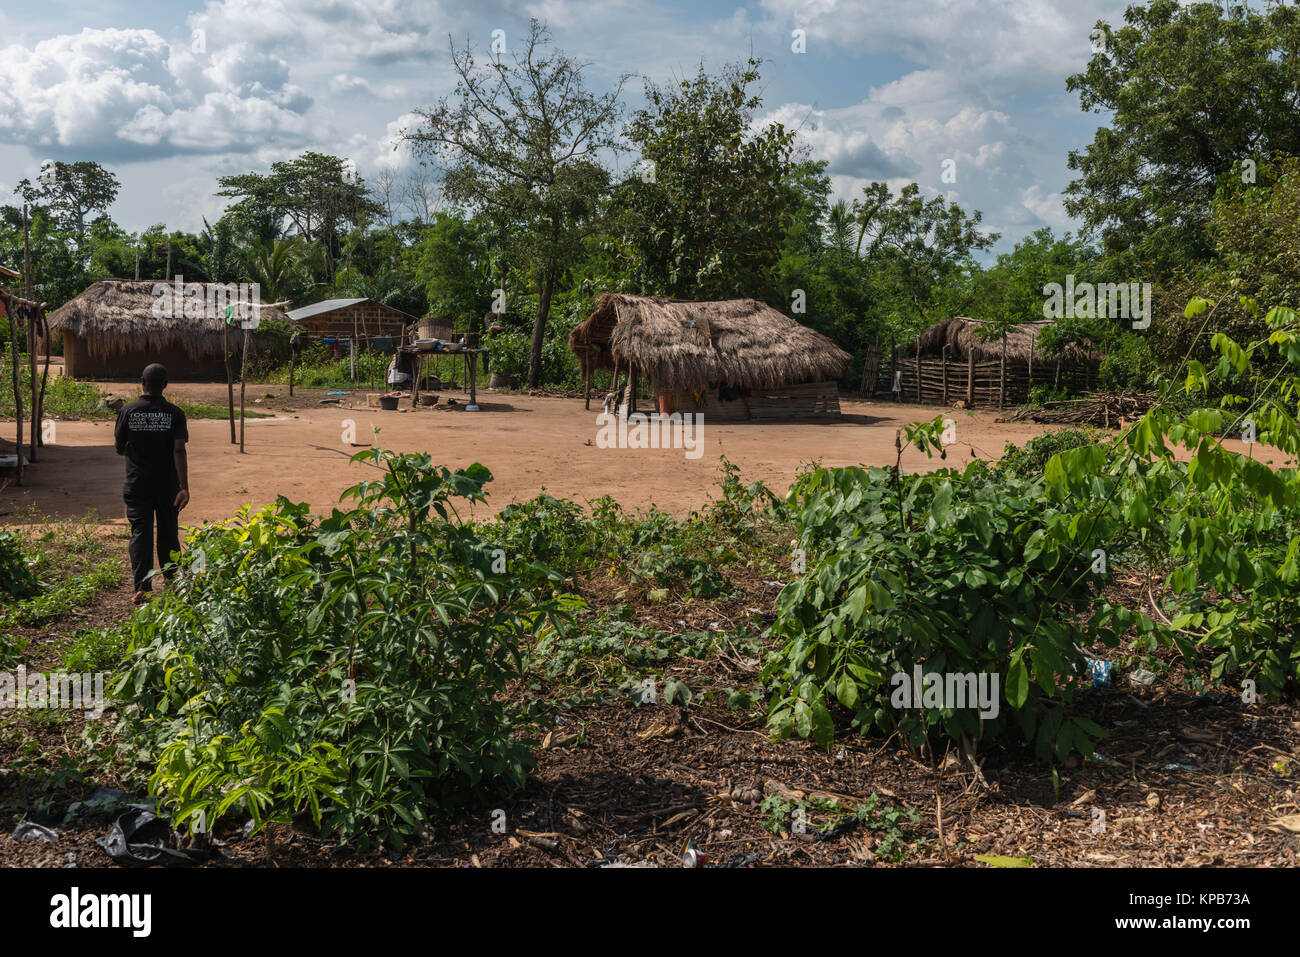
(151, 433)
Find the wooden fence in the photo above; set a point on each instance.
(944, 381)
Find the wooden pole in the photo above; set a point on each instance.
(243, 367)
(945, 375)
(291, 357)
(45, 371)
(18, 396)
(1002, 375)
(970, 379)
(32, 319)
(918, 370)
(230, 376)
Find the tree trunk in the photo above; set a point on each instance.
(539, 332)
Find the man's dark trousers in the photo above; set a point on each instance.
(142, 507)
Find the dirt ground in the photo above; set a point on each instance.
(530, 443)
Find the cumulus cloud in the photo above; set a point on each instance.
(919, 128)
(128, 93)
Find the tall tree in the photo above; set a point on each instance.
(1192, 89)
(711, 205)
(520, 141)
(918, 253)
(321, 195)
(72, 191)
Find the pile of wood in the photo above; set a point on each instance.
(1102, 409)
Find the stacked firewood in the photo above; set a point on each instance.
(1102, 409)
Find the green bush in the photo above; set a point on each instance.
(64, 398)
(949, 571)
(349, 669)
(1031, 458)
(16, 578)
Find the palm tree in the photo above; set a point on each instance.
(840, 223)
(276, 267)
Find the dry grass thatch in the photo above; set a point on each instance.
(687, 345)
(117, 315)
(963, 336)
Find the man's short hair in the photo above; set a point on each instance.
(154, 377)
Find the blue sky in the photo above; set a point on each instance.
(884, 90)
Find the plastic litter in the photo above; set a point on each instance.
(127, 841)
(1100, 671)
(1142, 678)
(31, 831)
(693, 856)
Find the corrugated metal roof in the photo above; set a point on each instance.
(326, 305)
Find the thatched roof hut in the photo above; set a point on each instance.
(118, 326)
(689, 348)
(962, 336)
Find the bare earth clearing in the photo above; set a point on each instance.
(530, 443)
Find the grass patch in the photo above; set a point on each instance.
(97, 649)
(206, 410)
(64, 398)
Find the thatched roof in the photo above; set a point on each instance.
(118, 315)
(963, 336)
(686, 345)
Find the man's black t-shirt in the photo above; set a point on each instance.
(149, 428)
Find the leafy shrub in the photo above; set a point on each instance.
(1031, 458)
(16, 578)
(545, 530)
(64, 397)
(950, 571)
(351, 669)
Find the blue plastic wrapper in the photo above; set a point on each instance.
(1100, 671)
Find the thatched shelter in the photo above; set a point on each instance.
(118, 326)
(952, 360)
(736, 358)
(963, 336)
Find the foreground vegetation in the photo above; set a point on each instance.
(371, 673)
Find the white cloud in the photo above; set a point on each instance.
(128, 93)
(991, 44)
(905, 130)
